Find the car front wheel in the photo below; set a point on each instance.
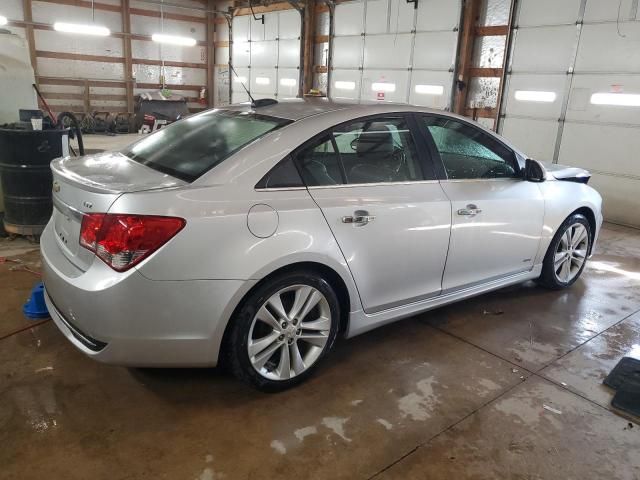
(283, 330)
(567, 255)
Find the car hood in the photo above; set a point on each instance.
(567, 173)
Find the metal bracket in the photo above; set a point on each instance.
(415, 3)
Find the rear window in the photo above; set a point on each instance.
(194, 145)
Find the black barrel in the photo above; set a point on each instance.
(26, 177)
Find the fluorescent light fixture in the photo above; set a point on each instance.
(81, 29)
(3, 20)
(383, 87)
(535, 96)
(240, 79)
(288, 82)
(617, 99)
(173, 39)
(343, 85)
(430, 89)
(262, 81)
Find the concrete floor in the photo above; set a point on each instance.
(455, 393)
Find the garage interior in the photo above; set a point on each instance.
(504, 385)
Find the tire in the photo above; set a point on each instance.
(554, 271)
(257, 345)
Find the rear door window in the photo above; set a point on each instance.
(192, 146)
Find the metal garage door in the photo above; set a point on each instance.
(266, 55)
(573, 93)
(387, 50)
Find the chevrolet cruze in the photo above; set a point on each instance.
(259, 233)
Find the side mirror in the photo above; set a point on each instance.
(534, 171)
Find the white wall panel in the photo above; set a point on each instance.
(599, 10)
(547, 49)
(619, 194)
(399, 80)
(241, 29)
(79, 44)
(388, 51)
(528, 82)
(435, 51)
(536, 138)
(289, 53)
(603, 50)
(349, 78)
(264, 54)
(548, 12)
(602, 148)
(12, 9)
(437, 15)
(583, 86)
(241, 54)
(266, 31)
(377, 16)
(258, 78)
(50, 12)
(347, 52)
(349, 18)
(51, 67)
(287, 83)
(424, 77)
(289, 24)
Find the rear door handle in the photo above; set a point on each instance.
(470, 210)
(359, 218)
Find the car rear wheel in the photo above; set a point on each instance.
(283, 330)
(567, 254)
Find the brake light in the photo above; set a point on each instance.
(122, 240)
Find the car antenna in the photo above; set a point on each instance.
(242, 83)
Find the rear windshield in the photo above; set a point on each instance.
(192, 146)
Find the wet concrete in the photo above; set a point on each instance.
(456, 393)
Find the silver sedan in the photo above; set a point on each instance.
(260, 233)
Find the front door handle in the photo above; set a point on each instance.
(359, 218)
(470, 210)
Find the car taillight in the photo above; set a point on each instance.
(122, 240)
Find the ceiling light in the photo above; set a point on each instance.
(262, 81)
(81, 29)
(3, 20)
(430, 89)
(535, 96)
(383, 87)
(617, 99)
(342, 85)
(288, 82)
(173, 39)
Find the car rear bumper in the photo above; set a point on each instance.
(127, 319)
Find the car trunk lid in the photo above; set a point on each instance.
(91, 184)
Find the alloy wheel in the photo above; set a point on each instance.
(289, 332)
(571, 252)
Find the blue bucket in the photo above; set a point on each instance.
(35, 307)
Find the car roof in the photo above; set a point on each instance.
(299, 108)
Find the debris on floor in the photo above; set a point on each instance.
(551, 409)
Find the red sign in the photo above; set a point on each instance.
(380, 95)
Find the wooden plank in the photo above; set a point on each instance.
(84, 4)
(274, 7)
(80, 82)
(167, 63)
(481, 112)
(320, 69)
(309, 27)
(63, 96)
(31, 39)
(211, 53)
(485, 72)
(221, 44)
(321, 39)
(77, 56)
(485, 30)
(128, 62)
(470, 15)
(157, 86)
(108, 97)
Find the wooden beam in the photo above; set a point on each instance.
(470, 13)
(321, 39)
(320, 69)
(481, 112)
(128, 63)
(309, 36)
(485, 72)
(109, 59)
(496, 30)
(79, 82)
(31, 39)
(157, 86)
(274, 7)
(167, 63)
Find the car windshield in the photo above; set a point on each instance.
(192, 146)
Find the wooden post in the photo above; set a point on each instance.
(309, 35)
(128, 63)
(31, 39)
(211, 51)
(465, 53)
